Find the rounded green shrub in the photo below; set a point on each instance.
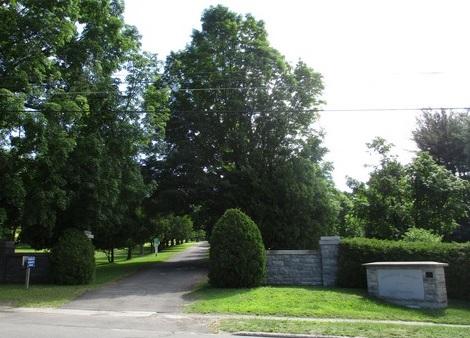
(237, 253)
(421, 235)
(73, 258)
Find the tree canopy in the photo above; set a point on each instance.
(70, 141)
(96, 134)
(444, 135)
(240, 133)
(398, 197)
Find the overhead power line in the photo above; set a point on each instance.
(183, 89)
(176, 89)
(248, 111)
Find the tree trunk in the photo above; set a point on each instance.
(129, 252)
(142, 249)
(112, 255)
(13, 233)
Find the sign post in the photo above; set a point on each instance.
(156, 243)
(29, 262)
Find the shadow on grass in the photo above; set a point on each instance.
(204, 291)
(120, 255)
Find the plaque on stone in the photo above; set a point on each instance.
(401, 284)
(412, 284)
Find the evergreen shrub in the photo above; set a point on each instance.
(237, 253)
(73, 259)
(357, 251)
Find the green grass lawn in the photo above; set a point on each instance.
(26, 249)
(317, 302)
(370, 330)
(41, 295)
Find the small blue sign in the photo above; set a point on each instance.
(31, 262)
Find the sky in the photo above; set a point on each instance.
(373, 55)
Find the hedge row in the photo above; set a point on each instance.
(357, 251)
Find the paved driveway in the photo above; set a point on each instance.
(158, 288)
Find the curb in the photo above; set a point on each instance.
(65, 311)
(286, 335)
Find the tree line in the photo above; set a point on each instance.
(431, 193)
(70, 144)
(97, 135)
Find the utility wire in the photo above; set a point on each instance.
(175, 90)
(246, 111)
(186, 89)
(123, 76)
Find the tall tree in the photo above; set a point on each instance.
(70, 137)
(439, 197)
(422, 194)
(240, 116)
(443, 135)
(12, 189)
(384, 204)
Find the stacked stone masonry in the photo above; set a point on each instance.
(329, 247)
(430, 275)
(294, 267)
(304, 267)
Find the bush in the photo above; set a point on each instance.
(199, 235)
(421, 235)
(357, 251)
(174, 229)
(73, 258)
(237, 254)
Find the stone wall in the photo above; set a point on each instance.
(329, 247)
(12, 271)
(304, 267)
(294, 267)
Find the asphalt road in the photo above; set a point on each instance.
(146, 304)
(42, 323)
(160, 288)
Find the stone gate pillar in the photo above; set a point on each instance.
(329, 246)
(6, 248)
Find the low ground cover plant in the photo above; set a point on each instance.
(318, 302)
(370, 330)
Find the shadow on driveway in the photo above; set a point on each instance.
(159, 287)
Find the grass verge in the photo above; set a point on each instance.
(317, 302)
(42, 295)
(370, 330)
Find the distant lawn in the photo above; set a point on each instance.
(317, 302)
(26, 249)
(42, 295)
(370, 330)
